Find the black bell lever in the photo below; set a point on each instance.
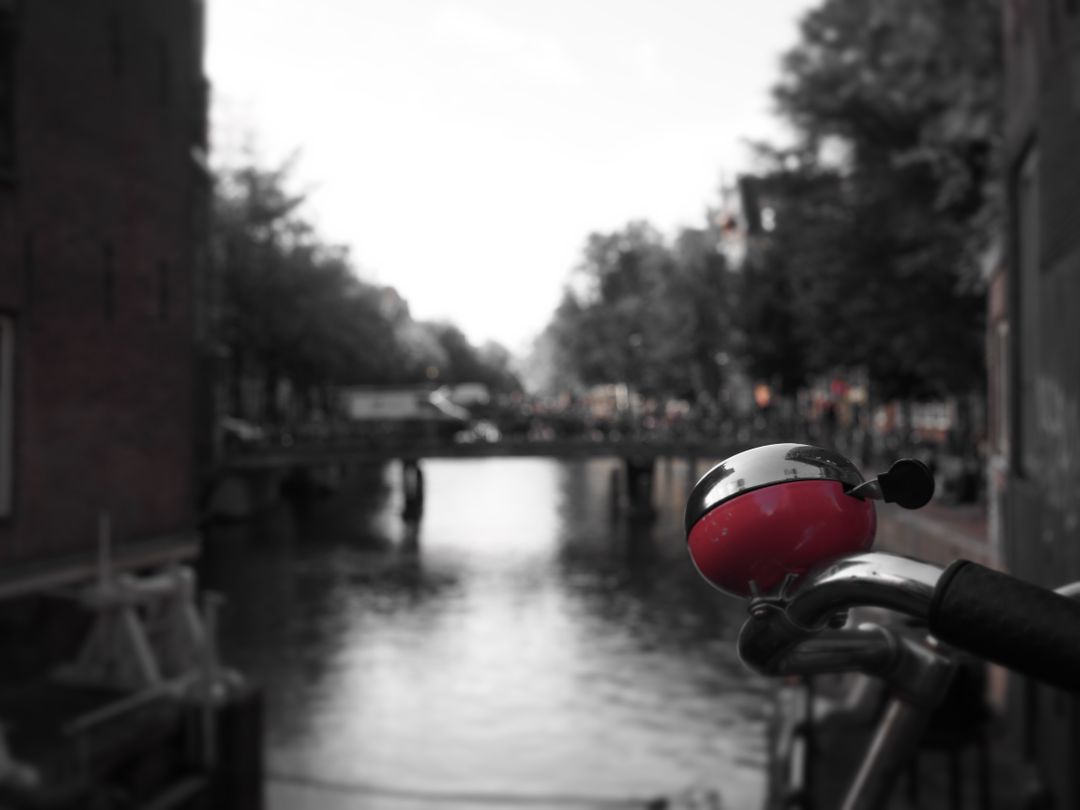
(908, 483)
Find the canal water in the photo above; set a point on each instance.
(520, 646)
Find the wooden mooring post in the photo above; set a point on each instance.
(640, 476)
(615, 493)
(691, 473)
(412, 488)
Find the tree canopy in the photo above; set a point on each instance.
(884, 207)
(645, 313)
(865, 236)
(295, 311)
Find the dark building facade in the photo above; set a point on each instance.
(1034, 354)
(103, 203)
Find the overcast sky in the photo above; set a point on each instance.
(464, 149)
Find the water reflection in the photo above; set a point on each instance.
(516, 642)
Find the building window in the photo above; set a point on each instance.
(1029, 289)
(165, 72)
(7, 87)
(108, 282)
(7, 415)
(117, 51)
(999, 351)
(29, 266)
(164, 293)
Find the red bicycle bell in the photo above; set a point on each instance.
(775, 511)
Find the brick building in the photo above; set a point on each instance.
(1032, 345)
(103, 202)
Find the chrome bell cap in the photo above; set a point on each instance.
(761, 466)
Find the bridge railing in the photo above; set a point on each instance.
(344, 449)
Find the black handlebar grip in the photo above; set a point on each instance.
(1029, 629)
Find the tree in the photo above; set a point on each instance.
(608, 329)
(874, 259)
(295, 312)
(704, 327)
(464, 363)
(296, 315)
(644, 313)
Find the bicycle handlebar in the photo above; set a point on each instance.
(1032, 630)
(1022, 626)
(873, 579)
